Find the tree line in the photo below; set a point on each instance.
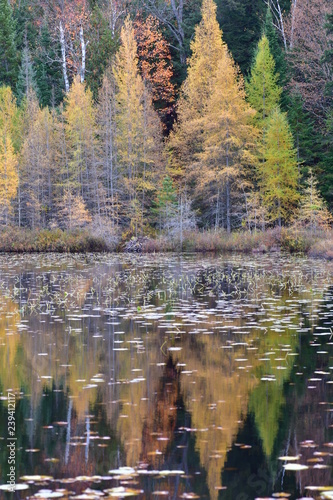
(135, 116)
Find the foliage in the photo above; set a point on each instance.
(155, 65)
(8, 158)
(98, 86)
(8, 49)
(262, 88)
(278, 174)
(241, 22)
(313, 212)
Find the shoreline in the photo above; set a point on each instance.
(313, 244)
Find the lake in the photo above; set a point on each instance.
(170, 376)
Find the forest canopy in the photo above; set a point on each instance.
(142, 116)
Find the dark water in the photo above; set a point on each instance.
(179, 377)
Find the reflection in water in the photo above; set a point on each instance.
(211, 367)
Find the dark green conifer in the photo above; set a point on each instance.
(8, 50)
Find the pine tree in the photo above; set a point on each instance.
(207, 50)
(8, 50)
(307, 140)
(328, 54)
(325, 168)
(241, 22)
(100, 50)
(47, 69)
(277, 52)
(278, 174)
(262, 89)
(229, 140)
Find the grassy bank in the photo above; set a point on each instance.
(25, 240)
(313, 244)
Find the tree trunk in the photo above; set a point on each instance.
(83, 51)
(63, 57)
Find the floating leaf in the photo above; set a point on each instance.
(122, 492)
(14, 487)
(295, 467)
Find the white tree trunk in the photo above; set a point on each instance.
(63, 56)
(83, 51)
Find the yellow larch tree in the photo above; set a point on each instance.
(82, 176)
(138, 137)
(223, 170)
(278, 174)
(37, 165)
(207, 50)
(8, 157)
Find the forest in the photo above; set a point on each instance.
(163, 117)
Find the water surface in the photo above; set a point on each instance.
(172, 376)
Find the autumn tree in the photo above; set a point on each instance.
(313, 212)
(8, 157)
(207, 51)
(107, 131)
(69, 20)
(155, 65)
(278, 174)
(229, 142)
(82, 175)
(171, 14)
(308, 41)
(138, 130)
(38, 178)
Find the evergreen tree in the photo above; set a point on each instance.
(47, 69)
(307, 141)
(278, 54)
(328, 55)
(8, 50)
(325, 169)
(25, 13)
(241, 22)
(278, 174)
(263, 90)
(100, 50)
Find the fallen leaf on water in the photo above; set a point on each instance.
(122, 492)
(14, 487)
(295, 467)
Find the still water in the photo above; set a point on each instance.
(167, 376)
